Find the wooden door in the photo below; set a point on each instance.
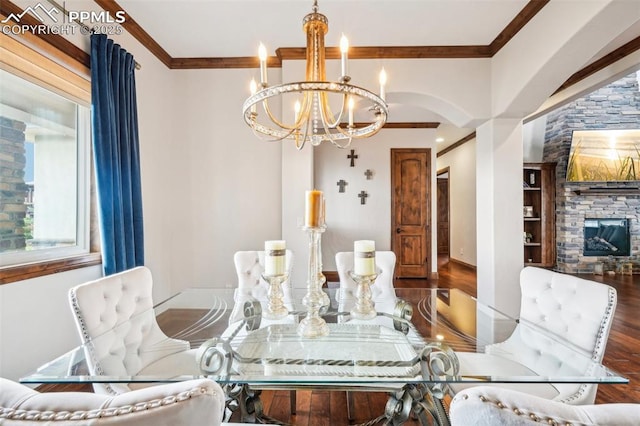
(411, 211)
(443, 213)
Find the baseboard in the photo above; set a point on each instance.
(331, 276)
(461, 263)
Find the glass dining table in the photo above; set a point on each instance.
(418, 348)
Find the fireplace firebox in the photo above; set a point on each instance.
(606, 237)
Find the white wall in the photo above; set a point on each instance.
(533, 139)
(229, 198)
(347, 219)
(462, 201)
(36, 323)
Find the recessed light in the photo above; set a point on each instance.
(439, 140)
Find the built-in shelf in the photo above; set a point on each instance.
(538, 182)
(608, 191)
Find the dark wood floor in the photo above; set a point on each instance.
(317, 408)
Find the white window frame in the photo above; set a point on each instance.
(24, 59)
(83, 196)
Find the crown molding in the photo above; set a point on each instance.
(299, 53)
(137, 31)
(454, 145)
(410, 125)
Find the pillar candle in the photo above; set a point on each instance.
(313, 209)
(364, 257)
(274, 257)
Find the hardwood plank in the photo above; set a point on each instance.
(338, 408)
(320, 400)
(303, 405)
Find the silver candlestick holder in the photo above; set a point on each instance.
(275, 306)
(364, 308)
(313, 325)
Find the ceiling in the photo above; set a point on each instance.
(234, 28)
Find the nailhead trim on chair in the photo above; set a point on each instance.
(598, 350)
(87, 339)
(12, 413)
(518, 412)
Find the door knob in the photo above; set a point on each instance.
(398, 230)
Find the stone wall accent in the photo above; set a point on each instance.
(12, 185)
(616, 106)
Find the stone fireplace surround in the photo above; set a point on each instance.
(616, 106)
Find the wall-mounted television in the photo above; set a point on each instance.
(604, 156)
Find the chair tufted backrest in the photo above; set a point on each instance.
(249, 269)
(190, 402)
(495, 406)
(115, 318)
(382, 292)
(573, 310)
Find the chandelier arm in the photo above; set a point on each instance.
(267, 109)
(346, 144)
(350, 134)
(346, 133)
(305, 111)
(261, 135)
(325, 110)
(299, 145)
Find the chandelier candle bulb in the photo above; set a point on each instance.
(262, 54)
(383, 82)
(344, 50)
(313, 209)
(351, 111)
(364, 257)
(274, 257)
(253, 87)
(296, 108)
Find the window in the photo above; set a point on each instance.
(44, 173)
(45, 179)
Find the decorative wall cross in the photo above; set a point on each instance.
(341, 183)
(363, 196)
(368, 174)
(352, 157)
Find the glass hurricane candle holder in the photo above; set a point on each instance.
(275, 306)
(364, 308)
(313, 325)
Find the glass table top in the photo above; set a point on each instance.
(421, 336)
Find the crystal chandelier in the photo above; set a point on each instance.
(313, 118)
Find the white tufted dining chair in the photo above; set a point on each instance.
(116, 321)
(251, 286)
(572, 310)
(493, 406)
(190, 403)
